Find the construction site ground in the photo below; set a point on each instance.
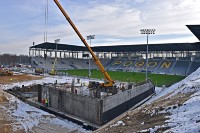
(7, 122)
(145, 119)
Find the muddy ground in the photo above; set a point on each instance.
(18, 78)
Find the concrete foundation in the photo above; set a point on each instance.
(92, 109)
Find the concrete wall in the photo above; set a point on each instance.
(87, 108)
(53, 98)
(115, 100)
(83, 107)
(97, 111)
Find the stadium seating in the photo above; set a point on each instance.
(164, 67)
(115, 64)
(126, 65)
(152, 65)
(182, 66)
(194, 66)
(63, 64)
(138, 65)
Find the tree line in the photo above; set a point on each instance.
(12, 59)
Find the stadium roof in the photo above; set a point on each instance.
(123, 48)
(195, 29)
(66, 47)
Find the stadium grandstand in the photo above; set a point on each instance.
(168, 58)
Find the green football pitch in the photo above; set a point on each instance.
(158, 79)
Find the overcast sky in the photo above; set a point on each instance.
(113, 22)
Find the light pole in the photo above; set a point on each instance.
(90, 37)
(147, 32)
(56, 42)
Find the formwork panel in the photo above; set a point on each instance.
(82, 106)
(71, 103)
(91, 109)
(61, 100)
(53, 98)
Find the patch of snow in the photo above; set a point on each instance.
(27, 116)
(118, 123)
(185, 118)
(153, 129)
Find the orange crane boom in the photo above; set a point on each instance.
(109, 80)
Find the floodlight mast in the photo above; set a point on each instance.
(147, 32)
(90, 37)
(109, 81)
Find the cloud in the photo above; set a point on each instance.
(113, 22)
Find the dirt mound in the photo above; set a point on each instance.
(3, 99)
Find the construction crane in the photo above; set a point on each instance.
(109, 82)
(53, 71)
